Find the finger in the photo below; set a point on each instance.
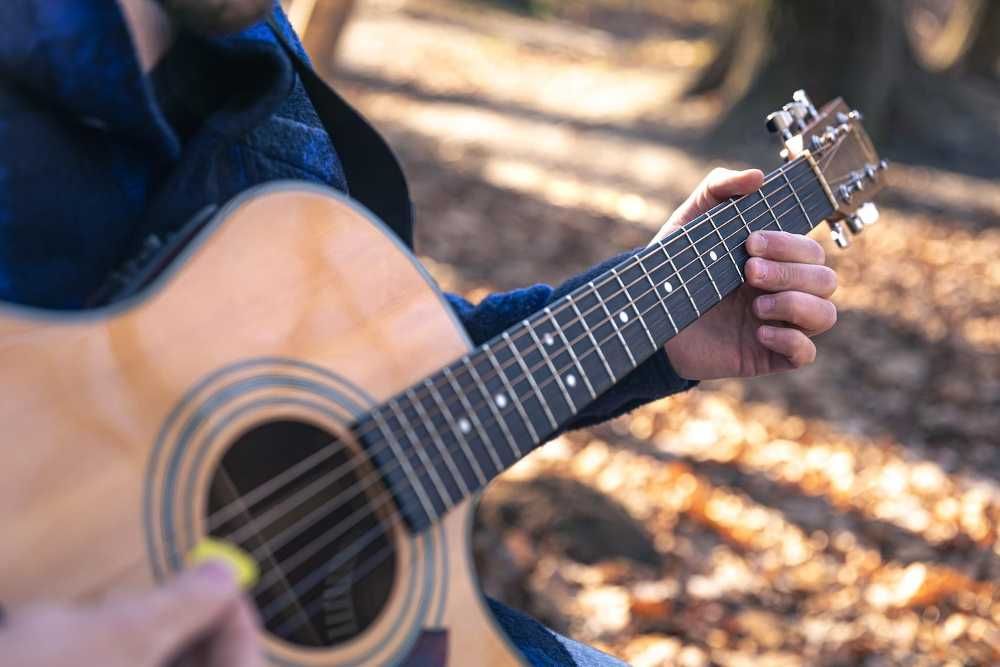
(773, 276)
(810, 313)
(235, 642)
(719, 185)
(791, 344)
(785, 247)
(159, 625)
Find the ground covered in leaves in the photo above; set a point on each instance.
(842, 515)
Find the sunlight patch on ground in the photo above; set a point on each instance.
(454, 58)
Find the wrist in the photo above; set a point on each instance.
(674, 351)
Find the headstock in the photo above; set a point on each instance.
(835, 140)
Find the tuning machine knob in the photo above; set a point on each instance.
(839, 235)
(867, 214)
(799, 114)
(780, 122)
(800, 97)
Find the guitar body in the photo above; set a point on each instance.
(291, 314)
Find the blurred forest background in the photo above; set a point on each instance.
(841, 515)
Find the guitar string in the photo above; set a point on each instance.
(305, 585)
(326, 481)
(308, 583)
(226, 513)
(363, 542)
(691, 226)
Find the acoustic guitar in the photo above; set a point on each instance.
(292, 382)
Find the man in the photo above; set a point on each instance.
(121, 119)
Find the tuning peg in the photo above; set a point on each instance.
(845, 193)
(799, 114)
(871, 172)
(779, 122)
(867, 214)
(883, 165)
(855, 224)
(839, 235)
(856, 115)
(800, 97)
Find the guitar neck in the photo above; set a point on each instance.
(445, 438)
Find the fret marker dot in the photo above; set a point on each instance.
(571, 380)
(667, 287)
(713, 256)
(501, 401)
(549, 339)
(623, 316)
(464, 426)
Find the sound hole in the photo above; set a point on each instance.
(295, 498)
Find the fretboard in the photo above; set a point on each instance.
(445, 438)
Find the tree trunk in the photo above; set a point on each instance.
(831, 48)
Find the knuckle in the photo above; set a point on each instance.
(831, 279)
(785, 275)
(817, 250)
(716, 173)
(831, 318)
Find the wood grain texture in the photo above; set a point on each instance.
(291, 272)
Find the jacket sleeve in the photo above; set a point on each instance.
(653, 379)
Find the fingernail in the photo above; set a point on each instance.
(765, 304)
(758, 242)
(217, 573)
(760, 269)
(240, 565)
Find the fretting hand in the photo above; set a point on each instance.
(764, 326)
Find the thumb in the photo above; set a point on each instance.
(719, 185)
(183, 611)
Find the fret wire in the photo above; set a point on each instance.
(768, 204)
(459, 436)
(701, 259)
(510, 390)
(562, 334)
(634, 303)
(725, 248)
(728, 287)
(742, 219)
(531, 380)
(656, 295)
(415, 443)
(548, 361)
(408, 471)
(490, 447)
(438, 442)
(680, 278)
(493, 408)
(572, 353)
(614, 324)
(590, 334)
(796, 194)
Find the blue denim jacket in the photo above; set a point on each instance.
(93, 154)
